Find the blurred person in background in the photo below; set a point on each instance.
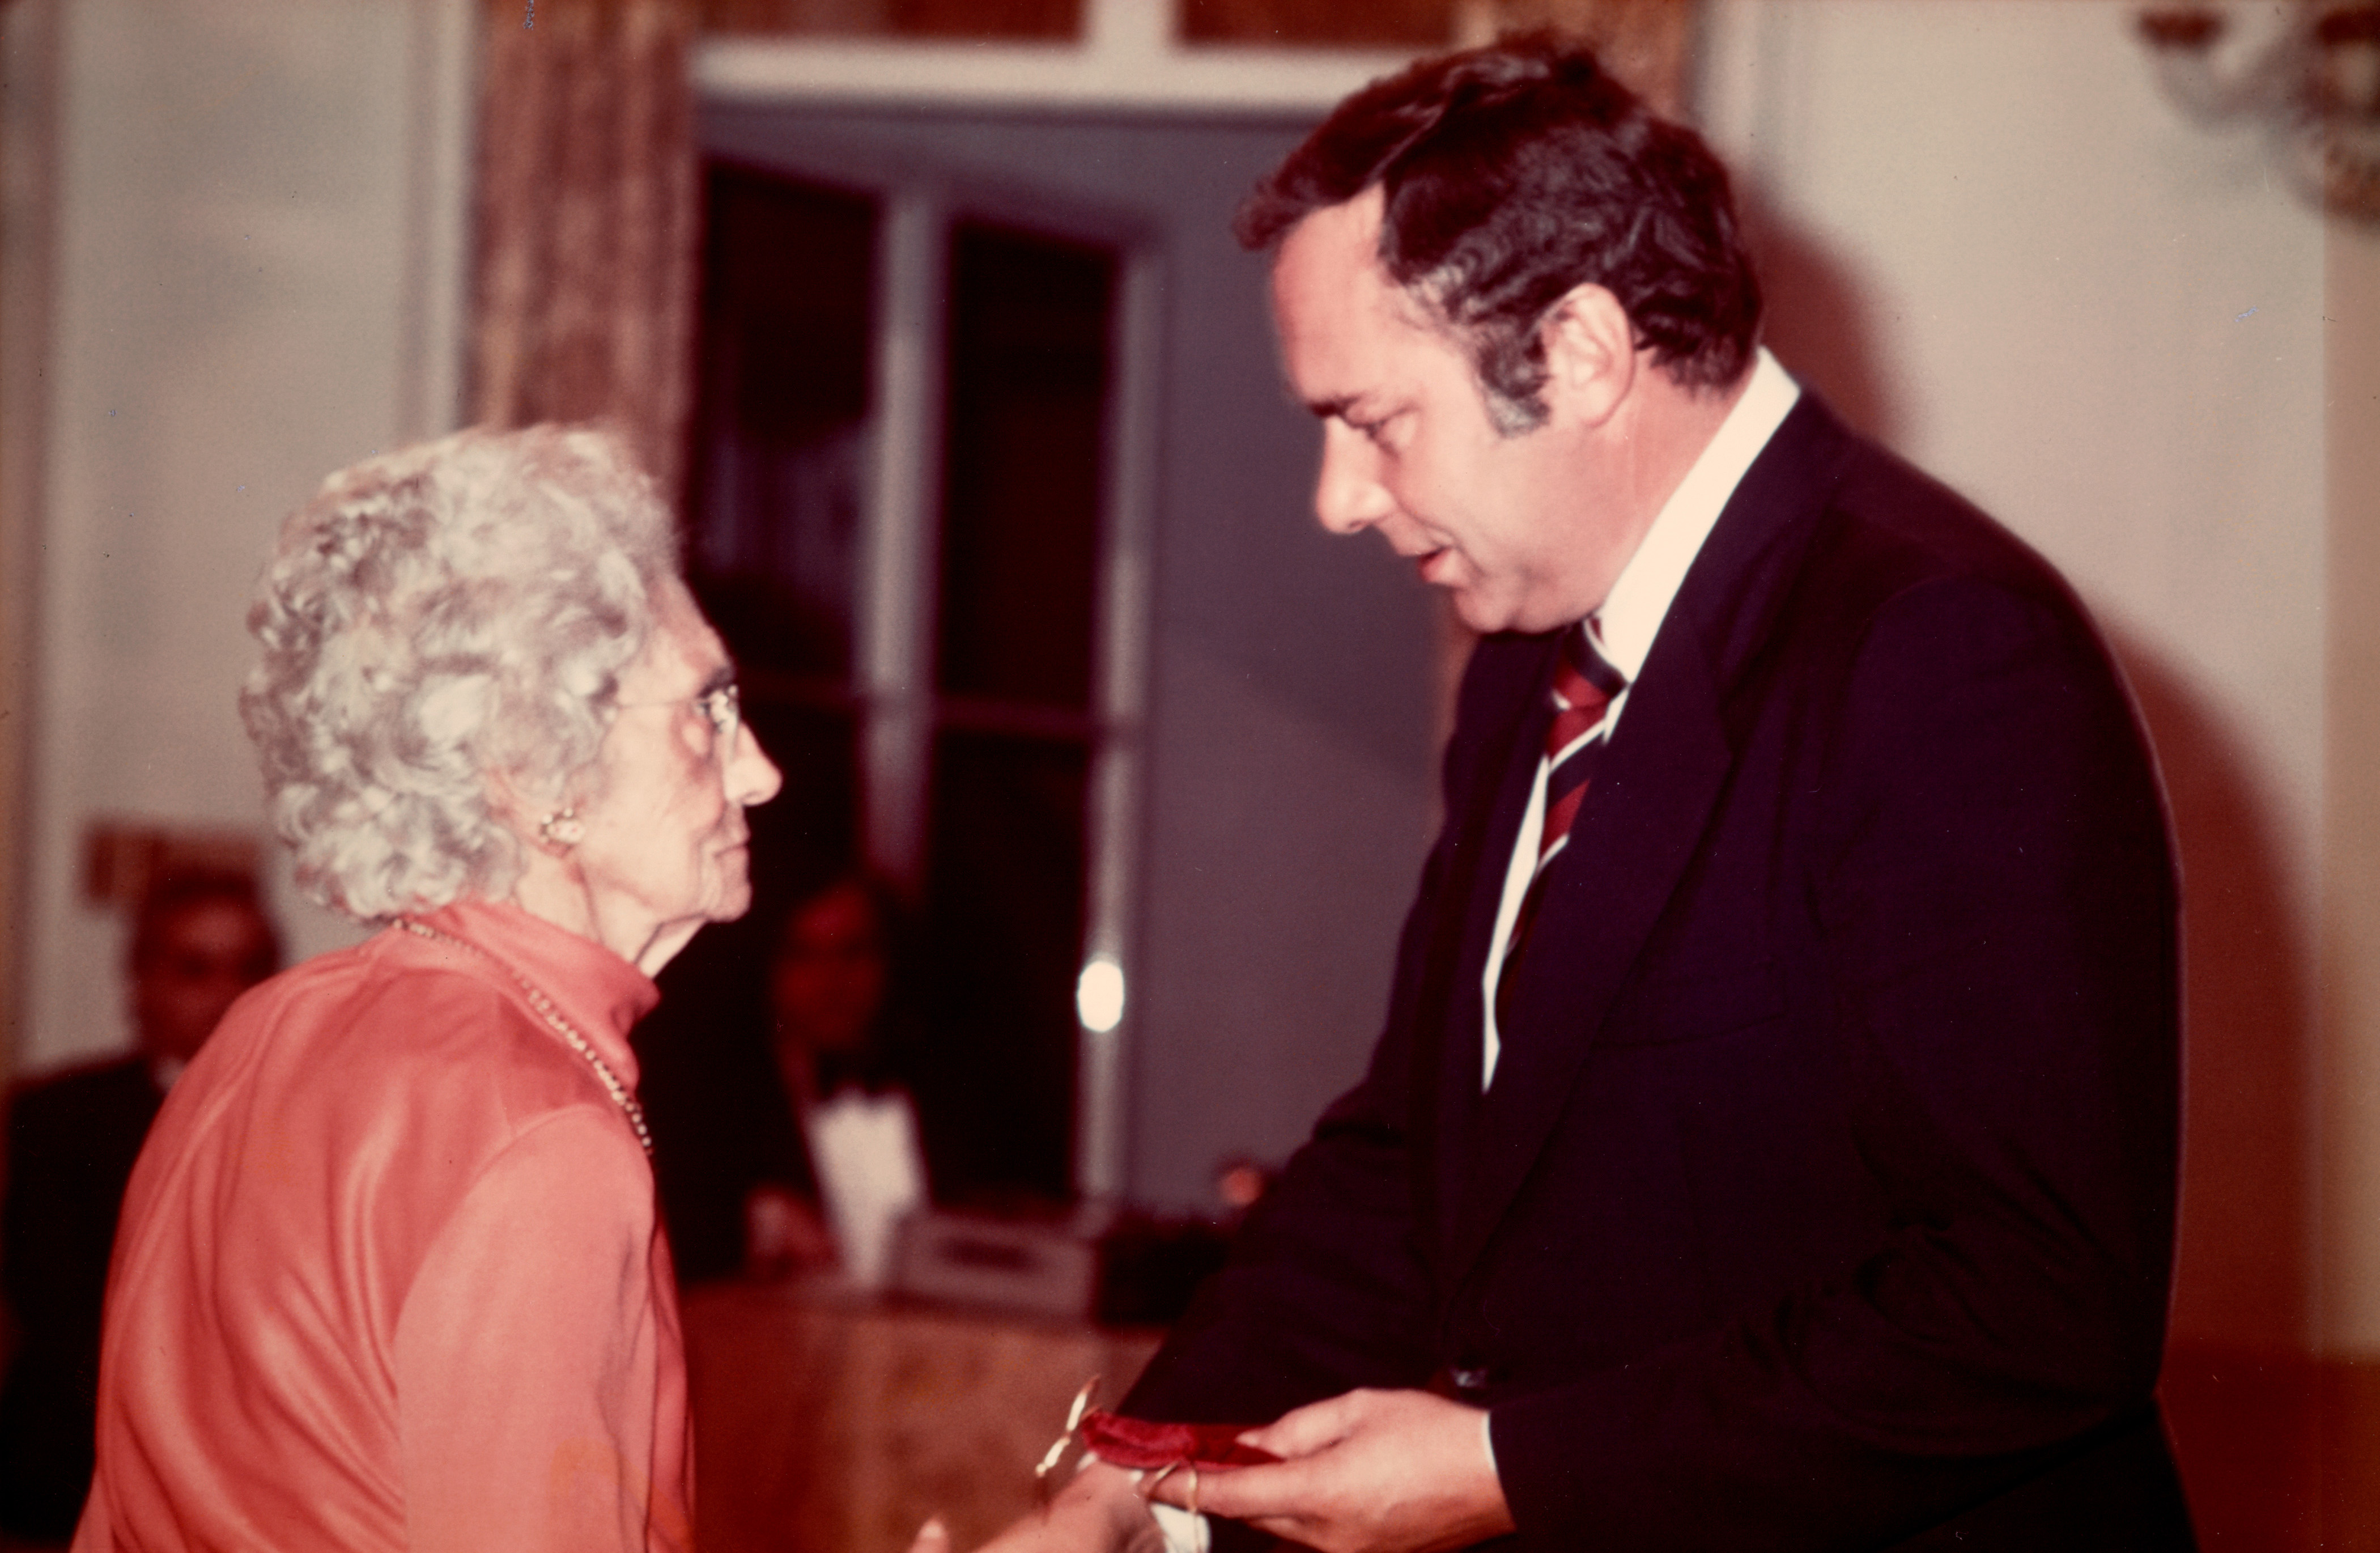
(390, 1273)
(200, 938)
(853, 1117)
(782, 1078)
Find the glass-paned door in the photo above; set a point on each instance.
(898, 512)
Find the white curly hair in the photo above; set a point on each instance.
(433, 617)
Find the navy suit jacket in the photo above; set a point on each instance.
(1823, 1194)
(71, 1142)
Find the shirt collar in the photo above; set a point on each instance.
(1633, 611)
(602, 995)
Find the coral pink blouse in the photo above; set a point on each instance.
(389, 1274)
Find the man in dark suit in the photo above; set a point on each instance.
(198, 941)
(1772, 1141)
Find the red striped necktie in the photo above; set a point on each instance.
(1584, 686)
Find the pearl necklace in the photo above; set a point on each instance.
(620, 1095)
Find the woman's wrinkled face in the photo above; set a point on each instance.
(666, 843)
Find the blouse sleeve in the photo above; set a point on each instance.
(534, 1408)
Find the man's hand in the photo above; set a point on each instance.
(1097, 1511)
(784, 1236)
(1369, 1472)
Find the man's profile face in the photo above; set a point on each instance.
(1508, 525)
(207, 954)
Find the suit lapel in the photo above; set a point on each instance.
(1644, 814)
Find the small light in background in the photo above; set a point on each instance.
(1098, 994)
(1240, 1180)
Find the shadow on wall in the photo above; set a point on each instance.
(1816, 319)
(2244, 1277)
(2268, 1437)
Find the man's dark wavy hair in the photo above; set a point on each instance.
(1514, 173)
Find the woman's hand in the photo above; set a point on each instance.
(1099, 1511)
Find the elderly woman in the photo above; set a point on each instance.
(389, 1274)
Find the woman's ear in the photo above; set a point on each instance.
(504, 803)
(1591, 356)
(552, 828)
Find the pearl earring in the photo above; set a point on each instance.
(562, 828)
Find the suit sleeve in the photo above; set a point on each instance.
(1988, 873)
(531, 1393)
(40, 1234)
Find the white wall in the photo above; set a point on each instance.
(2043, 282)
(257, 218)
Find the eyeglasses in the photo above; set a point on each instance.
(723, 703)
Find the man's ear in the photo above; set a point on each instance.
(1591, 358)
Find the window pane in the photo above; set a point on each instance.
(1003, 931)
(1023, 433)
(780, 440)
